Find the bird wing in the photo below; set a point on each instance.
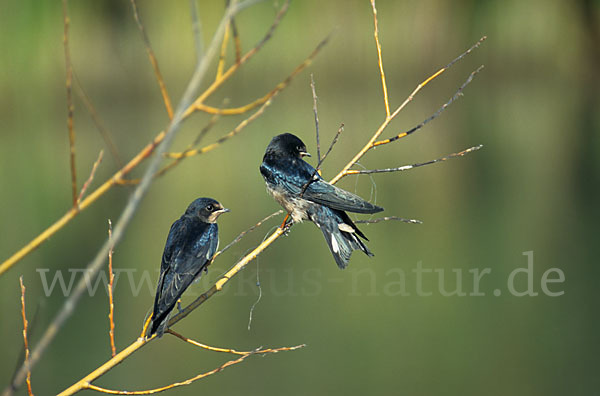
(188, 249)
(294, 175)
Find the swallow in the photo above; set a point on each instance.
(192, 242)
(299, 188)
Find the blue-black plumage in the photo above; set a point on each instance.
(192, 242)
(296, 186)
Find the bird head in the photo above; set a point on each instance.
(207, 209)
(287, 145)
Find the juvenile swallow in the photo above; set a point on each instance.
(296, 186)
(192, 242)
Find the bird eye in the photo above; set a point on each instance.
(210, 207)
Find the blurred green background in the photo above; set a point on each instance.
(533, 187)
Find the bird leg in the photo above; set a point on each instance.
(285, 219)
(179, 306)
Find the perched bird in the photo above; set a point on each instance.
(296, 186)
(192, 242)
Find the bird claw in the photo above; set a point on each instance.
(286, 227)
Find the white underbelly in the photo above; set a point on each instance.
(296, 207)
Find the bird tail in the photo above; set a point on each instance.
(159, 325)
(342, 236)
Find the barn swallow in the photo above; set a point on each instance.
(298, 187)
(192, 242)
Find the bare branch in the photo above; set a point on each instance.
(380, 60)
(233, 351)
(388, 218)
(409, 167)
(200, 376)
(434, 115)
(321, 160)
(153, 61)
(91, 177)
(25, 342)
(111, 278)
(314, 96)
(243, 233)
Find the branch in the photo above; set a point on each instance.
(380, 60)
(321, 160)
(243, 356)
(90, 178)
(233, 351)
(70, 107)
(153, 61)
(434, 115)
(243, 233)
(409, 167)
(171, 386)
(388, 218)
(111, 306)
(25, 343)
(314, 96)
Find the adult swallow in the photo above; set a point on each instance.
(296, 186)
(192, 242)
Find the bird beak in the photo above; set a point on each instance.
(305, 154)
(224, 210)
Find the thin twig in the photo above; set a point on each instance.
(91, 177)
(94, 266)
(25, 342)
(314, 96)
(70, 106)
(153, 61)
(233, 351)
(243, 233)
(387, 218)
(457, 95)
(111, 278)
(380, 60)
(409, 167)
(178, 384)
(313, 177)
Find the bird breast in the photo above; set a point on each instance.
(296, 207)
